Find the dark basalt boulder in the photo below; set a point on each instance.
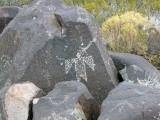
(135, 74)
(130, 101)
(50, 42)
(69, 100)
(7, 14)
(134, 68)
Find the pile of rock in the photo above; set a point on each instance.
(136, 69)
(131, 101)
(54, 66)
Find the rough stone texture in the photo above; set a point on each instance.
(6, 15)
(131, 101)
(125, 60)
(135, 74)
(69, 100)
(17, 100)
(50, 42)
(153, 42)
(2, 112)
(132, 73)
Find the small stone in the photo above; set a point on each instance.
(18, 98)
(35, 100)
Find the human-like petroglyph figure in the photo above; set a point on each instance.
(80, 67)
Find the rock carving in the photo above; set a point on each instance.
(79, 62)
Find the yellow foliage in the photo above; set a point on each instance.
(96, 7)
(125, 33)
(89, 7)
(129, 33)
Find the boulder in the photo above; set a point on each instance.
(17, 101)
(50, 42)
(131, 101)
(134, 68)
(132, 73)
(135, 74)
(7, 14)
(69, 100)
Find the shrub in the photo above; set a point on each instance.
(153, 55)
(128, 33)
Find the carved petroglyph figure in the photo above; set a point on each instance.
(80, 68)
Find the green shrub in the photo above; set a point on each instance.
(125, 33)
(128, 33)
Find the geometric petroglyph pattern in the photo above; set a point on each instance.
(80, 66)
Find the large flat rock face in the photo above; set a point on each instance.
(69, 100)
(131, 101)
(50, 42)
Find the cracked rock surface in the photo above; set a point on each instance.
(134, 68)
(49, 42)
(129, 101)
(69, 100)
(17, 100)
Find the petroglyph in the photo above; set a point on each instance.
(121, 105)
(51, 7)
(68, 65)
(58, 103)
(82, 58)
(6, 15)
(47, 76)
(75, 113)
(60, 116)
(47, 118)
